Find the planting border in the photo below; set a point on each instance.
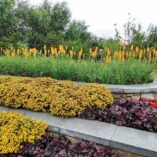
(125, 89)
(134, 91)
(122, 91)
(127, 139)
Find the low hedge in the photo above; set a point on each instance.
(61, 98)
(16, 129)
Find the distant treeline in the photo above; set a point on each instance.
(50, 24)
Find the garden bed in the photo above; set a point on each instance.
(130, 113)
(55, 145)
(115, 72)
(123, 138)
(90, 102)
(21, 136)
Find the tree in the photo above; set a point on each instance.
(7, 18)
(78, 36)
(23, 25)
(77, 30)
(133, 33)
(151, 40)
(60, 17)
(48, 21)
(12, 23)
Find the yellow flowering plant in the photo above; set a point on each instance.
(61, 98)
(124, 53)
(16, 129)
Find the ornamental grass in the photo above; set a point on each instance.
(115, 72)
(61, 98)
(16, 129)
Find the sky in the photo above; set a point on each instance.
(101, 15)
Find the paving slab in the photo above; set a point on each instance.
(136, 141)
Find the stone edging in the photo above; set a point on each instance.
(127, 89)
(127, 139)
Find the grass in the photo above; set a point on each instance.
(116, 72)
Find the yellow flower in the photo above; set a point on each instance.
(16, 129)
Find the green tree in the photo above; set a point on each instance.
(133, 33)
(77, 30)
(60, 17)
(78, 36)
(49, 22)
(7, 21)
(23, 25)
(151, 40)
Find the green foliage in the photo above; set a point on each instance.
(23, 25)
(151, 40)
(116, 72)
(11, 23)
(77, 35)
(47, 24)
(77, 30)
(112, 44)
(7, 18)
(133, 34)
(60, 16)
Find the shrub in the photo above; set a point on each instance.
(96, 95)
(28, 93)
(15, 129)
(61, 98)
(67, 103)
(73, 100)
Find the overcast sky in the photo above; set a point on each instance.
(101, 15)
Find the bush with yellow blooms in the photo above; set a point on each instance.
(61, 98)
(16, 129)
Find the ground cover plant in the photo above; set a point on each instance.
(22, 137)
(60, 98)
(130, 113)
(115, 72)
(16, 129)
(151, 102)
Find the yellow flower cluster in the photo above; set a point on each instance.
(61, 98)
(29, 93)
(16, 129)
(73, 100)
